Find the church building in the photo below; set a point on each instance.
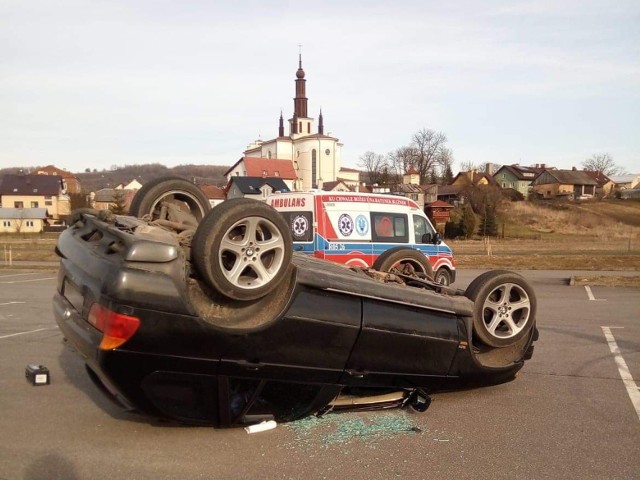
(315, 157)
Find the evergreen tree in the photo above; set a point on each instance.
(119, 205)
(488, 224)
(469, 222)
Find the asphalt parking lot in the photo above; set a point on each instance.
(569, 414)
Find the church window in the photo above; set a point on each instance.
(313, 168)
(309, 127)
(269, 154)
(300, 126)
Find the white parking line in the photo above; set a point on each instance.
(30, 331)
(11, 303)
(590, 294)
(32, 280)
(623, 369)
(18, 274)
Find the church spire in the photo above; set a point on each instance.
(320, 124)
(300, 100)
(281, 126)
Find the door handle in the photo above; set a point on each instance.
(250, 365)
(356, 373)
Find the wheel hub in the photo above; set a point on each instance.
(249, 252)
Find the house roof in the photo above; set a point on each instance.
(475, 177)
(345, 169)
(407, 188)
(624, 178)
(23, 213)
(412, 171)
(266, 167)
(599, 177)
(521, 172)
(444, 190)
(439, 204)
(53, 170)
(30, 185)
(329, 186)
(252, 185)
(568, 177)
(212, 192)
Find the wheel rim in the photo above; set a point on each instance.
(251, 253)
(179, 198)
(442, 278)
(506, 310)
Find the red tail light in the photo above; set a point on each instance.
(116, 327)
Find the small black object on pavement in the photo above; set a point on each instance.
(37, 375)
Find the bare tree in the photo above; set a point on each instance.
(429, 147)
(469, 166)
(375, 166)
(604, 163)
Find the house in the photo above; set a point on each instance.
(255, 187)
(472, 177)
(451, 194)
(571, 184)
(350, 177)
(216, 195)
(516, 177)
(439, 212)
(430, 192)
(623, 182)
(604, 185)
(265, 168)
(36, 191)
(22, 220)
(414, 192)
(316, 157)
(337, 186)
(132, 185)
(105, 198)
(71, 182)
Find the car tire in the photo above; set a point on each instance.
(443, 276)
(504, 307)
(242, 249)
(399, 256)
(190, 199)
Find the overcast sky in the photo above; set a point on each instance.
(101, 83)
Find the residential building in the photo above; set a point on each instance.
(623, 182)
(604, 185)
(22, 220)
(337, 186)
(255, 187)
(105, 198)
(36, 191)
(265, 168)
(516, 177)
(70, 182)
(216, 195)
(571, 184)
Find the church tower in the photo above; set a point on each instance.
(315, 157)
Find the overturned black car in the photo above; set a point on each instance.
(206, 316)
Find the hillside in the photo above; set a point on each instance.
(95, 180)
(599, 218)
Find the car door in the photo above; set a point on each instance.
(402, 345)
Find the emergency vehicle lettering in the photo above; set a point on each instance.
(288, 202)
(381, 200)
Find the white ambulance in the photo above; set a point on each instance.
(361, 229)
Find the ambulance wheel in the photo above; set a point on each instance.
(242, 249)
(443, 276)
(156, 198)
(504, 307)
(401, 258)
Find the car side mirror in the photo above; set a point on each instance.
(426, 238)
(437, 239)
